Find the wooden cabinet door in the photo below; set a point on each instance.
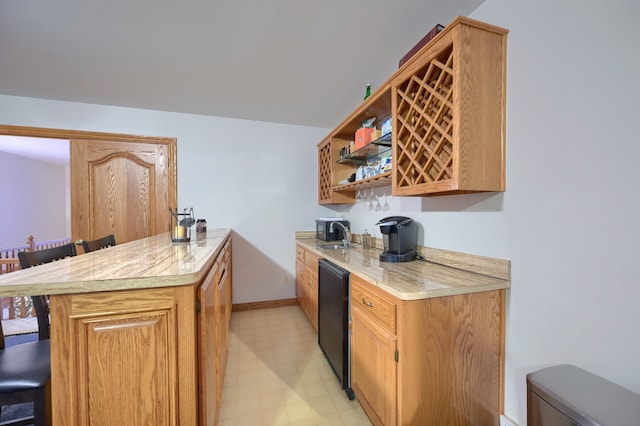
(311, 280)
(299, 280)
(225, 299)
(373, 368)
(223, 331)
(208, 347)
(311, 294)
(120, 188)
(120, 358)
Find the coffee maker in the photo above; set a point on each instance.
(400, 238)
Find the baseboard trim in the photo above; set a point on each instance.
(238, 307)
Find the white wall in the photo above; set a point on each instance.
(257, 178)
(26, 206)
(569, 218)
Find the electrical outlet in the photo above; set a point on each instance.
(286, 278)
(506, 421)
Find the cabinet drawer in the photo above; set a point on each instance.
(300, 253)
(373, 303)
(311, 260)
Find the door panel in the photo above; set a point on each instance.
(124, 358)
(139, 379)
(373, 368)
(121, 188)
(208, 347)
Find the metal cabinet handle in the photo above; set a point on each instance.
(367, 304)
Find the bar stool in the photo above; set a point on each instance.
(25, 369)
(100, 243)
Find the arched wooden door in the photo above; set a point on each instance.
(120, 184)
(123, 188)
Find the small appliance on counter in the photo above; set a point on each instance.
(322, 228)
(400, 239)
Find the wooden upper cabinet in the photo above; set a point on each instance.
(449, 114)
(332, 170)
(330, 173)
(448, 107)
(120, 188)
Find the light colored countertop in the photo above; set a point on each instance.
(146, 263)
(445, 273)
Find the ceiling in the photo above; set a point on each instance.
(284, 61)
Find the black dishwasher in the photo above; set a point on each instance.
(333, 320)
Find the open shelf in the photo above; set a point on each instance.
(447, 109)
(372, 151)
(373, 182)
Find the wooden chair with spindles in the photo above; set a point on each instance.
(30, 259)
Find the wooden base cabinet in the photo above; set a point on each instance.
(436, 361)
(214, 305)
(128, 357)
(307, 283)
(373, 368)
(142, 357)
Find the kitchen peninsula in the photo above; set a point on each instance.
(427, 337)
(139, 331)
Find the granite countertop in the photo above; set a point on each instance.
(444, 273)
(145, 263)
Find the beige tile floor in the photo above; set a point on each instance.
(277, 375)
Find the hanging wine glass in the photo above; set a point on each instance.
(371, 196)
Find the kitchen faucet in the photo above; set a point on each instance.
(347, 234)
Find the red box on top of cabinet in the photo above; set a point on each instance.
(426, 39)
(363, 136)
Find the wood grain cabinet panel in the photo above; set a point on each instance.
(208, 347)
(141, 381)
(373, 367)
(447, 105)
(299, 280)
(307, 283)
(379, 308)
(214, 300)
(443, 366)
(154, 356)
(330, 173)
(122, 360)
(224, 308)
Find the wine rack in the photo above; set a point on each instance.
(449, 114)
(447, 105)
